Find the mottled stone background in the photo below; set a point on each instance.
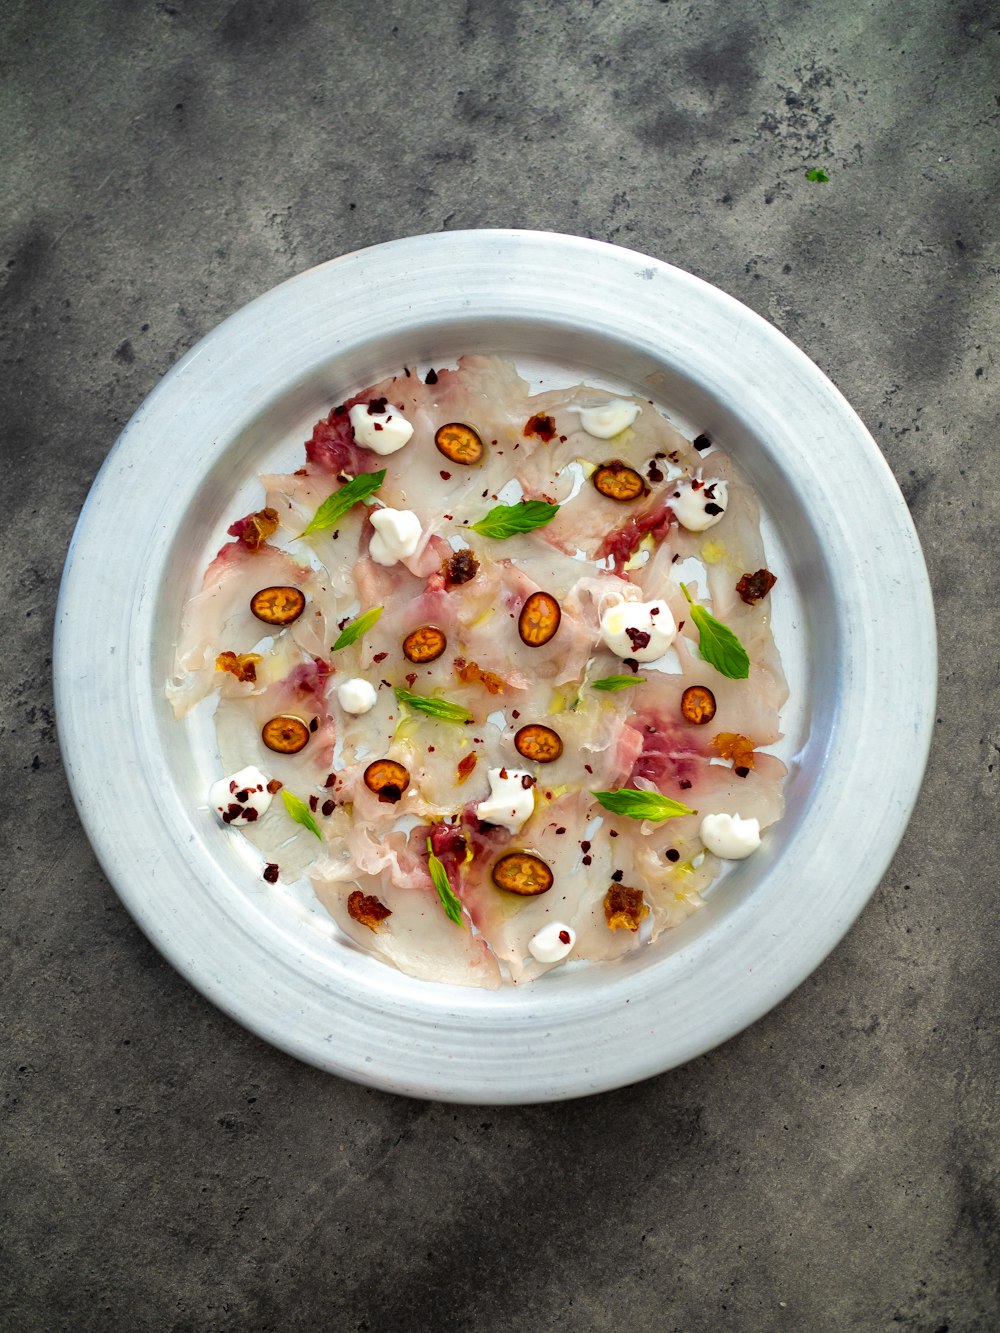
(832, 1168)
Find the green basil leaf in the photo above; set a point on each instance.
(352, 633)
(439, 876)
(448, 712)
(816, 174)
(641, 804)
(506, 520)
(335, 506)
(718, 645)
(610, 683)
(300, 812)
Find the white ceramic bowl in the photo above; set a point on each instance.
(853, 618)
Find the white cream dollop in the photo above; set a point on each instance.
(382, 432)
(729, 836)
(548, 945)
(609, 419)
(241, 798)
(652, 618)
(397, 535)
(691, 501)
(356, 695)
(511, 800)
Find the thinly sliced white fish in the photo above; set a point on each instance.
(471, 589)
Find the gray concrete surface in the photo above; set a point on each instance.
(833, 1168)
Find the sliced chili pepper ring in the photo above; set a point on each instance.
(619, 482)
(279, 605)
(285, 734)
(698, 705)
(539, 619)
(387, 779)
(425, 644)
(539, 743)
(460, 443)
(522, 873)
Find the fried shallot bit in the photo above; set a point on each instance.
(285, 734)
(752, 587)
(366, 909)
(698, 705)
(471, 673)
(278, 605)
(461, 568)
(465, 767)
(461, 443)
(387, 779)
(255, 529)
(624, 907)
(539, 743)
(241, 665)
(522, 873)
(730, 745)
(619, 482)
(541, 425)
(425, 644)
(539, 619)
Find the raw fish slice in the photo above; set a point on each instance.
(219, 618)
(301, 693)
(593, 553)
(508, 921)
(417, 938)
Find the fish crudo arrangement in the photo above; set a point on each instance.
(493, 668)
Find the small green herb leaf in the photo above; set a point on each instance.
(718, 645)
(641, 804)
(335, 506)
(617, 682)
(441, 708)
(352, 633)
(816, 174)
(300, 812)
(451, 905)
(506, 520)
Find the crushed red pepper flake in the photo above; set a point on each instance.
(465, 767)
(271, 873)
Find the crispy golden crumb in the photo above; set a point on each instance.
(471, 673)
(624, 907)
(730, 745)
(241, 665)
(366, 908)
